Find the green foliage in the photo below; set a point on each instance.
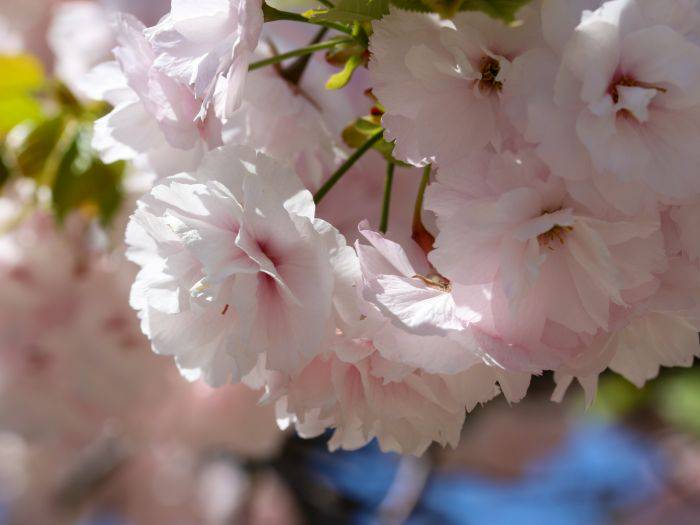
(51, 143)
(349, 11)
(411, 5)
(617, 397)
(679, 400)
(20, 77)
(84, 182)
(34, 154)
(674, 397)
(501, 9)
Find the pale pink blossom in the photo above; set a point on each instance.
(282, 121)
(623, 102)
(377, 380)
(154, 117)
(660, 331)
(441, 81)
(81, 37)
(201, 43)
(235, 269)
(91, 418)
(81, 34)
(687, 219)
(59, 301)
(540, 269)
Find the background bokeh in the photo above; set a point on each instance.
(95, 429)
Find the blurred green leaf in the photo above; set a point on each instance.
(35, 153)
(20, 77)
(84, 182)
(617, 397)
(352, 11)
(679, 400)
(411, 5)
(505, 10)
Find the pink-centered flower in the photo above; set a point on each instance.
(532, 261)
(624, 103)
(441, 81)
(235, 269)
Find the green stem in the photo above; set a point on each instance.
(346, 166)
(386, 202)
(421, 235)
(271, 15)
(294, 72)
(328, 44)
(326, 3)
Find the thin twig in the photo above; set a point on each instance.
(328, 44)
(346, 166)
(386, 201)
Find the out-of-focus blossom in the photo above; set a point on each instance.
(154, 117)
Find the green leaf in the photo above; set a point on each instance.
(352, 11)
(20, 77)
(505, 10)
(501, 9)
(86, 183)
(411, 5)
(35, 152)
(445, 8)
(679, 400)
(341, 79)
(617, 397)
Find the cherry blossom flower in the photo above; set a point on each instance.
(153, 120)
(81, 34)
(200, 43)
(234, 268)
(379, 380)
(280, 120)
(532, 261)
(623, 102)
(440, 81)
(660, 331)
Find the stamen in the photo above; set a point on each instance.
(490, 68)
(556, 233)
(630, 82)
(435, 280)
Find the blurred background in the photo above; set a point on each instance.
(95, 429)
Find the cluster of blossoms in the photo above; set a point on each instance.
(554, 228)
(88, 415)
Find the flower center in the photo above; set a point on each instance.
(489, 68)
(556, 233)
(634, 110)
